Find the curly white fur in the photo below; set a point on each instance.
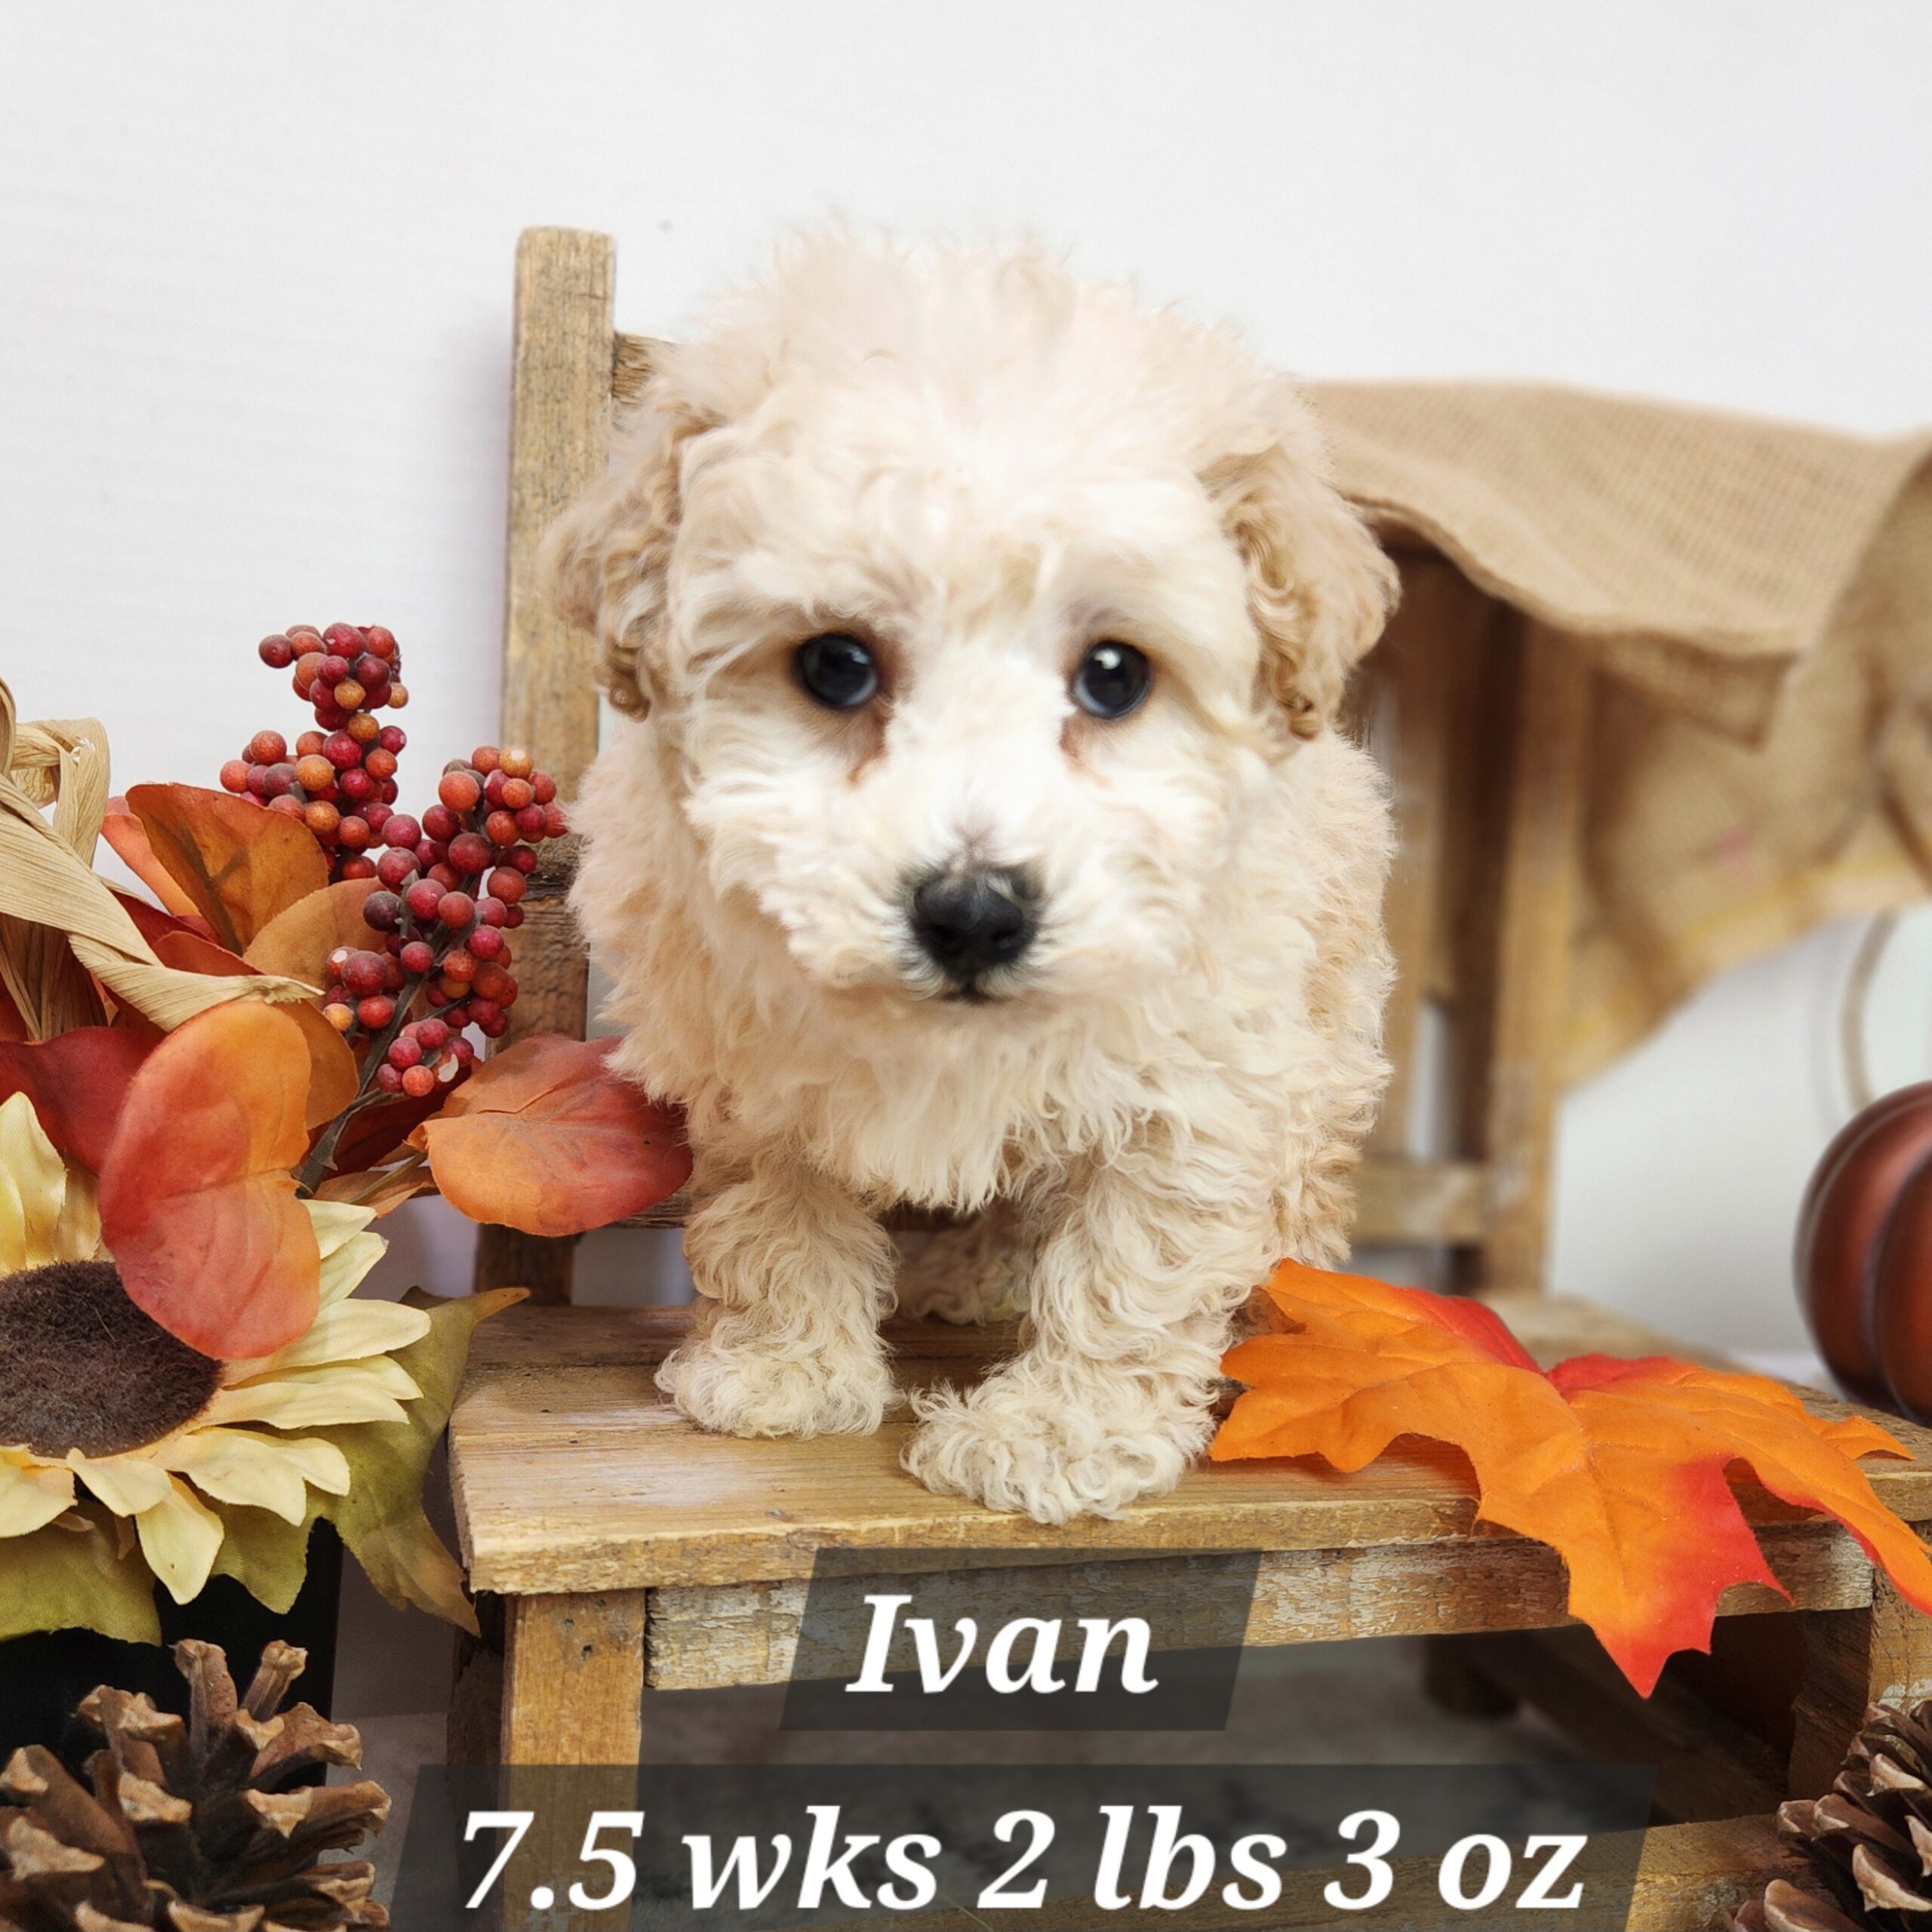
(984, 466)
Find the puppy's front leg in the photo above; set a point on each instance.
(793, 1276)
(1137, 1278)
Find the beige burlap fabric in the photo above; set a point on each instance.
(1760, 596)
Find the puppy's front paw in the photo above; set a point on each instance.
(743, 1389)
(1028, 1450)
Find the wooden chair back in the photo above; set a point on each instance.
(1477, 714)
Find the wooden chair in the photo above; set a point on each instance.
(616, 1547)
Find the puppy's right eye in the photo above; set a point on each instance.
(836, 671)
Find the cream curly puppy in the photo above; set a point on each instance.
(980, 837)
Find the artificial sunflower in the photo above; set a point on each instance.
(94, 1394)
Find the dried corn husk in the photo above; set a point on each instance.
(59, 922)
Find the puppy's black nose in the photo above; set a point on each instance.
(969, 920)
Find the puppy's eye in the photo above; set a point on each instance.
(1112, 679)
(838, 671)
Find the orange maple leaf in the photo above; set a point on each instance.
(1619, 1466)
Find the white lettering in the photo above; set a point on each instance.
(822, 1869)
(1039, 1673)
(742, 1867)
(1100, 1633)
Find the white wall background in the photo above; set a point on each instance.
(255, 271)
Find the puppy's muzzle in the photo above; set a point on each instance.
(971, 920)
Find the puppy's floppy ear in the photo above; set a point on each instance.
(605, 561)
(1320, 587)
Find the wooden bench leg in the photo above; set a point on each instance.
(1532, 952)
(573, 1695)
(474, 1732)
(1881, 1653)
(574, 1679)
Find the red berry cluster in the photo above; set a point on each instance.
(450, 888)
(340, 778)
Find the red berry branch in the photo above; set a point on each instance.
(341, 780)
(449, 886)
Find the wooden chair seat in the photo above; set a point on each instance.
(640, 1549)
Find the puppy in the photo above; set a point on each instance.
(979, 837)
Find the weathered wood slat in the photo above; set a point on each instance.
(706, 1637)
(533, 1342)
(1880, 1653)
(1533, 942)
(1707, 1765)
(1406, 691)
(1397, 1199)
(560, 406)
(574, 1678)
(630, 366)
(572, 1473)
(573, 1695)
(1692, 1878)
(1426, 1202)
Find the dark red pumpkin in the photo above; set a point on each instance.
(1902, 1296)
(1867, 1188)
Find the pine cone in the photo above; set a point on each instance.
(1869, 1840)
(195, 1826)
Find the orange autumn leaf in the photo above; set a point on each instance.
(332, 1073)
(1619, 1466)
(129, 837)
(237, 863)
(546, 1138)
(297, 942)
(197, 1204)
(381, 1190)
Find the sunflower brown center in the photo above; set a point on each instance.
(82, 1367)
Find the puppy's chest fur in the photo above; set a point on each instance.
(951, 1107)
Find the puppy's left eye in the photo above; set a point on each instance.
(837, 670)
(1112, 679)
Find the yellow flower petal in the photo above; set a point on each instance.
(348, 1332)
(343, 1270)
(127, 1484)
(323, 1465)
(333, 1397)
(180, 1537)
(376, 1372)
(262, 1472)
(33, 1187)
(335, 1222)
(77, 1237)
(349, 1250)
(31, 1495)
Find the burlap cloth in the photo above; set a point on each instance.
(1760, 597)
